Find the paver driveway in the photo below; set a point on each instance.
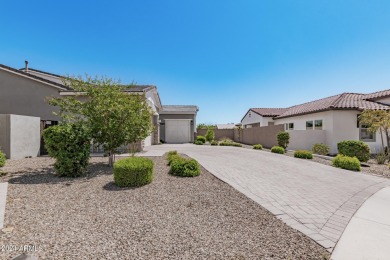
(315, 199)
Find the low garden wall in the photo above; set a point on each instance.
(265, 135)
(305, 139)
(219, 133)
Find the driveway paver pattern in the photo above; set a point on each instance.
(316, 199)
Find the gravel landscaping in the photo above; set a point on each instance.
(171, 218)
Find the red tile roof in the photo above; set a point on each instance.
(341, 101)
(378, 94)
(269, 112)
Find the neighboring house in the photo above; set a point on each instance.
(26, 91)
(257, 117)
(225, 126)
(332, 119)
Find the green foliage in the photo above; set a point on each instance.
(210, 135)
(346, 162)
(381, 158)
(69, 144)
(321, 149)
(283, 139)
(171, 156)
(353, 148)
(201, 138)
(198, 142)
(214, 142)
(2, 159)
(303, 154)
(114, 116)
(185, 167)
(258, 147)
(206, 126)
(133, 172)
(277, 149)
(230, 143)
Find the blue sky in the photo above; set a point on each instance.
(224, 56)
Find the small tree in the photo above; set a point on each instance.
(210, 135)
(69, 144)
(114, 116)
(283, 139)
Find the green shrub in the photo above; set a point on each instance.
(346, 162)
(277, 149)
(185, 167)
(214, 142)
(258, 147)
(381, 158)
(2, 159)
(230, 143)
(353, 148)
(133, 172)
(321, 149)
(201, 138)
(69, 144)
(303, 154)
(171, 155)
(210, 135)
(198, 142)
(225, 139)
(283, 139)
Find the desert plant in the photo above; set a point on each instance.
(283, 139)
(321, 149)
(198, 142)
(2, 159)
(210, 135)
(346, 162)
(258, 147)
(230, 143)
(380, 158)
(133, 172)
(214, 142)
(69, 144)
(201, 138)
(225, 139)
(303, 154)
(185, 167)
(277, 149)
(353, 148)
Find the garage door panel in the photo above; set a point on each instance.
(177, 131)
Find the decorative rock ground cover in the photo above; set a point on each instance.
(172, 217)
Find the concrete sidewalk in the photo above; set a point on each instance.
(367, 235)
(3, 197)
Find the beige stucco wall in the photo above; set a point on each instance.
(339, 125)
(302, 139)
(23, 96)
(20, 136)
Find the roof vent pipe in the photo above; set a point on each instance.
(26, 68)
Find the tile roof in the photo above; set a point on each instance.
(269, 112)
(341, 101)
(378, 94)
(179, 108)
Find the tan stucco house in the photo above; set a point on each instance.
(25, 92)
(328, 120)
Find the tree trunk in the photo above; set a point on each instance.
(383, 145)
(388, 141)
(110, 159)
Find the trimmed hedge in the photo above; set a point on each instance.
(346, 162)
(198, 142)
(321, 149)
(258, 147)
(214, 142)
(184, 167)
(133, 172)
(201, 138)
(354, 148)
(277, 149)
(283, 139)
(2, 159)
(69, 144)
(303, 154)
(230, 143)
(210, 135)
(171, 155)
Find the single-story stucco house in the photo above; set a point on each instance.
(24, 92)
(334, 118)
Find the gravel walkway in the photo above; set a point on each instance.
(171, 218)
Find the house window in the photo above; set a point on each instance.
(289, 126)
(318, 124)
(366, 135)
(309, 125)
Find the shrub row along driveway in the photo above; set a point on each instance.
(316, 199)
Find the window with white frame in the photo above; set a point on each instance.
(365, 135)
(309, 125)
(318, 124)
